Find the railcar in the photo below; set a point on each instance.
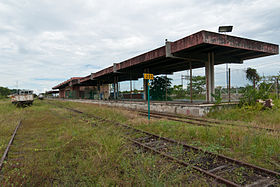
(23, 98)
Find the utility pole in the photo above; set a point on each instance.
(17, 88)
(117, 88)
(229, 85)
(191, 92)
(186, 77)
(115, 95)
(227, 77)
(183, 77)
(166, 87)
(277, 87)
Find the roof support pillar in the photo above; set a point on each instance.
(115, 95)
(130, 86)
(61, 93)
(191, 91)
(209, 74)
(166, 88)
(98, 90)
(117, 84)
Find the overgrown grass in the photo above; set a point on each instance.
(57, 147)
(10, 116)
(257, 147)
(269, 118)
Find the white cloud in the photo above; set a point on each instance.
(54, 40)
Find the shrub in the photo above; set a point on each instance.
(251, 95)
(217, 97)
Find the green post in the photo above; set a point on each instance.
(148, 99)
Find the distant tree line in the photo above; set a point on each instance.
(4, 92)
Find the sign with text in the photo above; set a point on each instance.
(148, 76)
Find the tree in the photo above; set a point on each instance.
(159, 87)
(253, 76)
(198, 84)
(178, 91)
(4, 92)
(250, 95)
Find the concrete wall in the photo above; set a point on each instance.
(186, 109)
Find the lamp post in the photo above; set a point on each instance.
(225, 29)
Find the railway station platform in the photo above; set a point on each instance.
(191, 109)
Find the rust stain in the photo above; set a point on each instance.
(202, 37)
(187, 42)
(241, 43)
(159, 52)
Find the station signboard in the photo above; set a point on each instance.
(148, 76)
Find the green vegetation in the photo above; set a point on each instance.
(253, 76)
(179, 92)
(253, 146)
(9, 118)
(4, 92)
(62, 148)
(251, 95)
(198, 85)
(266, 89)
(217, 96)
(159, 87)
(256, 115)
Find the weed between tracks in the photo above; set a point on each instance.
(58, 147)
(253, 146)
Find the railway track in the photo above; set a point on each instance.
(2, 161)
(199, 121)
(222, 169)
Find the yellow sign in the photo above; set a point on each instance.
(148, 76)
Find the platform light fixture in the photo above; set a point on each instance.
(225, 28)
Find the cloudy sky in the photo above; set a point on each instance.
(45, 42)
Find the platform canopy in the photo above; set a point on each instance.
(178, 55)
(69, 82)
(52, 92)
